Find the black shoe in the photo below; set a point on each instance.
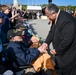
(48, 72)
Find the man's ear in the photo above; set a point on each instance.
(54, 14)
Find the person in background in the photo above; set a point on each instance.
(12, 22)
(63, 36)
(26, 15)
(5, 26)
(6, 23)
(1, 20)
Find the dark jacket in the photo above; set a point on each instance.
(4, 28)
(63, 36)
(6, 23)
(24, 55)
(26, 38)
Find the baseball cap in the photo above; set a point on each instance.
(13, 32)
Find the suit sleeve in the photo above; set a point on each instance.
(49, 37)
(68, 34)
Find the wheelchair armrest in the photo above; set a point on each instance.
(25, 66)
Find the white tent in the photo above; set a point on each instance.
(34, 8)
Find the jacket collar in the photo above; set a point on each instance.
(57, 16)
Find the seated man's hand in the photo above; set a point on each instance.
(45, 46)
(42, 49)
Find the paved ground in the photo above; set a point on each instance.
(40, 27)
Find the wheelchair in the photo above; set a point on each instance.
(19, 70)
(4, 64)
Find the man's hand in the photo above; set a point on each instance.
(42, 50)
(53, 52)
(45, 46)
(14, 16)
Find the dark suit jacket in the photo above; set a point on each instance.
(63, 36)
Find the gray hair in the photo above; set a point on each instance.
(52, 8)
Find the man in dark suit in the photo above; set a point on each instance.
(63, 36)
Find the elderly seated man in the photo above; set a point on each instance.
(37, 57)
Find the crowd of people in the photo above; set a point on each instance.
(23, 48)
(20, 46)
(72, 12)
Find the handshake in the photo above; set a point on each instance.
(43, 49)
